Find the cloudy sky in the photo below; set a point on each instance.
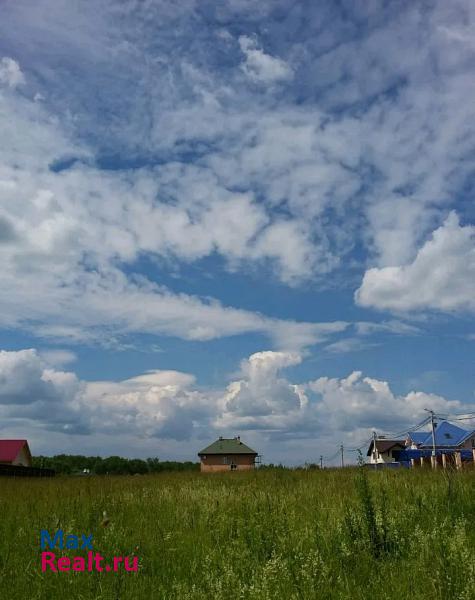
(236, 217)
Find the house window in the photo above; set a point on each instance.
(448, 436)
(225, 460)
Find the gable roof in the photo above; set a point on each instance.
(227, 446)
(446, 434)
(9, 449)
(385, 445)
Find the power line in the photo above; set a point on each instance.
(457, 418)
(332, 457)
(365, 443)
(409, 429)
(433, 415)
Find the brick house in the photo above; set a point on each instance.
(227, 455)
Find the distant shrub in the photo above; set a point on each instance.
(67, 464)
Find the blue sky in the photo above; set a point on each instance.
(234, 218)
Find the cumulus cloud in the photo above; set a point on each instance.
(441, 276)
(37, 396)
(265, 400)
(22, 378)
(357, 402)
(261, 392)
(350, 407)
(159, 404)
(262, 67)
(10, 73)
(164, 407)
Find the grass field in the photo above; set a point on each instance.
(271, 534)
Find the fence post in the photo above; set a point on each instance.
(444, 460)
(458, 459)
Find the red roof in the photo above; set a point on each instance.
(9, 449)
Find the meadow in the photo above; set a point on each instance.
(269, 534)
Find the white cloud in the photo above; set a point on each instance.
(441, 276)
(261, 392)
(58, 357)
(351, 344)
(360, 151)
(34, 396)
(392, 326)
(158, 404)
(21, 376)
(326, 408)
(262, 67)
(73, 230)
(315, 159)
(160, 408)
(10, 73)
(367, 403)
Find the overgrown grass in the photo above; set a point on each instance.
(273, 534)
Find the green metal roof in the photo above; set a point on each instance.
(227, 446)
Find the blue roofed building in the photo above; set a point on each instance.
(451, 441)
(447, 435)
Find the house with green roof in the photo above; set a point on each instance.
(227, 454)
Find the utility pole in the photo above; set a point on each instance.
(342, 450)
(375, 452)
(321, 461)
(432, 424)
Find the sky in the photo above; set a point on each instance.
(234, 218)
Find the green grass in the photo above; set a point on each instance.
(273, 534)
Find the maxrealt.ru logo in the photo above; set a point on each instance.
(91, 562)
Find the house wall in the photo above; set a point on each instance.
(381, 457)
(23, 459)
(215, 462)
(469, 444)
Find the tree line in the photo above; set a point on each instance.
(70, 464)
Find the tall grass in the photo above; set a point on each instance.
(264, 535)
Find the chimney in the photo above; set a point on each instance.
(220, 437)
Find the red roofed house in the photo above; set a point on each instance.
(15, 452)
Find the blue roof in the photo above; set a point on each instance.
(419, 437)
(446, 434)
